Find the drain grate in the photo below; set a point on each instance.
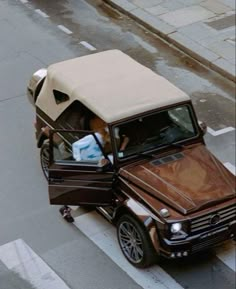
(222, 23)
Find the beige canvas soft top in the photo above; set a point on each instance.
(109, 83)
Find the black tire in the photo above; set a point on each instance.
(44, 158)
(135, 242)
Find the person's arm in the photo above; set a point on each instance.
(124, 143)
(56, 139)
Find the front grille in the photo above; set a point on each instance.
(208, 243)
(214, 219)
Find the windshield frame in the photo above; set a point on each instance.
(193, 119)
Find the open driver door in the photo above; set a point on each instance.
(78, 181)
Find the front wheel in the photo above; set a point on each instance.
(135, 242)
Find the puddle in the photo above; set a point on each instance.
(191, 82)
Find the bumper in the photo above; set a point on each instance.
(196, 243)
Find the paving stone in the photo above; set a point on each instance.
(146, 4)
(219, 36)
(231, 40)
(193, 48)
(124, 4)
(232, 61)
(172, 5)
(225, 67)
(204, 29)
(223, 49)
(198, 31)
(215, 6)
(230, 3)
(157, 10)
(191, 2)
(186, 16)
(222, 23)
(153, 22)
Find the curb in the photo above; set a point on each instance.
(169, 34)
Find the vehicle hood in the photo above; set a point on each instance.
(188, 181)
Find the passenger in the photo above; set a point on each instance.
(87, 148)
(99, 126)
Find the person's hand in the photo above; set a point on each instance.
(56, 138)
(103, 162)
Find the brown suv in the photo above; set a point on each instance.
(115, 135)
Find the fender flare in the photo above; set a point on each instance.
(144, 217)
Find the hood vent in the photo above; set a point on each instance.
(167, 159)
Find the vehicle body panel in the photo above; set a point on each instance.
(188, 184)
(77, 185)
(182, 178)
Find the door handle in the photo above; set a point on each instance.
(56, 180)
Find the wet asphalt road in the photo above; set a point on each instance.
(30, 41)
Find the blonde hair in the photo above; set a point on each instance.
(98, 125)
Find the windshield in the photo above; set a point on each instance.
(154, 131)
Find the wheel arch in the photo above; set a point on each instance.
(145, 218)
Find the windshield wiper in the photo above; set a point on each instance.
(174, 144)
(147, 155)
(150, 155)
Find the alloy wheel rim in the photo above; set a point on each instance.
(131, 242)
(45, 161)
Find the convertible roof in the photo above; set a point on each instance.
(110, 83)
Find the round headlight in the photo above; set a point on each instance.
(176, 228)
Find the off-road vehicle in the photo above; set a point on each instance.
(164, 190)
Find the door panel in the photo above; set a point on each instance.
(70, 185)
(78, 183)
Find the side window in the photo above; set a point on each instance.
(60, 96)
(85, 149)
(76, 116)
(71, 117)
(181, 116)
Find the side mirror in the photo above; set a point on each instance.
(203, 127)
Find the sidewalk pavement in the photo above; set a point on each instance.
(203, 29)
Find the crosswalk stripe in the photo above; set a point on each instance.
(18, 257)
(227, 254)
(220, 131)
(103, 234)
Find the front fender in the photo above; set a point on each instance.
(145, 217)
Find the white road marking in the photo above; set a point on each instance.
(64, 29)
(230, 167)
(103, 234)
(88, 46)
(226, 253)
(219, 132)
(18, 257)
(41, 13)
(24, 1)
